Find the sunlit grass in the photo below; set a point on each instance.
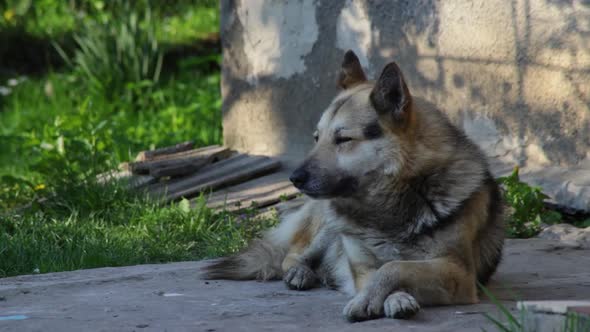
(47, 120)
(95, 226)
(57, 132)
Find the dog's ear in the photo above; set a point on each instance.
(391, 94)
(351, 73)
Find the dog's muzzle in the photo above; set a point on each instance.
(299, 177)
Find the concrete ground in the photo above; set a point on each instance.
(169, 297)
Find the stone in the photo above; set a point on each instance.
(551, 307)
(550, 316)
(567, 234)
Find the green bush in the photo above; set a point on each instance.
(528, 208)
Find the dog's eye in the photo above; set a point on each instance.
(340, 140)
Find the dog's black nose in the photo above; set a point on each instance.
(299, 177)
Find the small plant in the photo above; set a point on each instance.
(528, 209)
(118, 56)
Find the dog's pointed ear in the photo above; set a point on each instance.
(352, 72)
(391, 94)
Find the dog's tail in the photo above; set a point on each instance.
(261, 260)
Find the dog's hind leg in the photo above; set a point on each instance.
(303, 260)
(398, 289)
(265, 258)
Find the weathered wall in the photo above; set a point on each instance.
(515, 74)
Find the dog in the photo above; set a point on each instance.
(402, 210)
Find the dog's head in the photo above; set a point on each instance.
(361, 136)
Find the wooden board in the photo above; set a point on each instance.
(181, 163)
(151, 154)
(260, 192)
(231, 171)
(133, 181)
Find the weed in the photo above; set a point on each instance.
(528, 209)
(115, 53)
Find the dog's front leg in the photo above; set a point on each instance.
(398, 289)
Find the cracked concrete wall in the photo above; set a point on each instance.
(513, 73)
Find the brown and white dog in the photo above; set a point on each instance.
(403, 211)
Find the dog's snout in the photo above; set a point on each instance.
(299, 177)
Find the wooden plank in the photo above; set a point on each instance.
(260, 192)
(172, 185)
(181, 163)
(139, 181)
(151, 154)
(144, 167)
(179, 169)
(227, 172)
(133, 181)
(188, 153)
(231, 174)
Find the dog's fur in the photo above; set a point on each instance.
(403, 211)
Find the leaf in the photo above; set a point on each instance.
(184, 205)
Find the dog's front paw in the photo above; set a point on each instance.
(400, 305)
(300, 277)
(363, 307)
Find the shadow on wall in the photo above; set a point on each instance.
(520, 66)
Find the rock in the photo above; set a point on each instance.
(549, 316)
(567, 234)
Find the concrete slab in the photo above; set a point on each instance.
(169, 297)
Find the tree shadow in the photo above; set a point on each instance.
(22, 53)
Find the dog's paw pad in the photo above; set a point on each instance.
(361, 308)
(400, 305)
(300, 277)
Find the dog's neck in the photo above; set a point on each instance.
(411, 207)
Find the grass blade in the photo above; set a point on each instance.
(499, 305)
(496, 322)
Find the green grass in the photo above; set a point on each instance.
(194, 22)
(59, 130)
(178, 21)
(97, 226)
(88, 134)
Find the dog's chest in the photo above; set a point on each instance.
(386, 248)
